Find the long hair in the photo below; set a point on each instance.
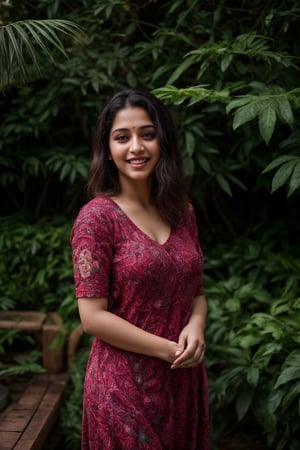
(168, 186)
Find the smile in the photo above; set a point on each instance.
(138, 161)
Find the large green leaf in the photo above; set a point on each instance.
(268, 105)
(294, 182)
(275, 399)
(284, 110)
(253, 376)
(266, 121)
(245, 113)
(288, 374)
(279, 161)
(243, 402)
(282, 175)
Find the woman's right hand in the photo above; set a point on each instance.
(174, 350)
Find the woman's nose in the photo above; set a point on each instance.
(136, 144)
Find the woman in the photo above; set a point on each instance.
(138, 278)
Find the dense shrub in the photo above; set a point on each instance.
(35, 265)
(253, 335)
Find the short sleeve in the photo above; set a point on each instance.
(92, 251)
(194, 234)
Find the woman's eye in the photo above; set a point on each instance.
(149, 136)
(121, 138)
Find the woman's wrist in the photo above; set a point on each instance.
(167, 350)
(198, 321)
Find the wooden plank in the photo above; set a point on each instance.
(31, 397)
(44, 418)
(8, 439)
(21, 412)
(26, 423)
(53, 357)
(16, 420)
(22, 320)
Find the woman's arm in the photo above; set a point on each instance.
(191, 339)
(114, 330)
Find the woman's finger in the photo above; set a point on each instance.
(193, 361)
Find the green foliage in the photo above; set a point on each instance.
(289, 171)
(20, 39)
(36, 267)
(19, 364)
(8, 337)
(195, 94)
(244, 71)
(227, 52)
(253, 335)
(273, 104)
(24, 364)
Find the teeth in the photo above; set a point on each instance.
(137, 161)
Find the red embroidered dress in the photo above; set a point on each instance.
(133, 401)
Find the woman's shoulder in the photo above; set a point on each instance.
(188, 219)
(99, 210)
(98, 206)
(189, 214)
(190, 208)
(96, 217)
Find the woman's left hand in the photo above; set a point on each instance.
(192, 343)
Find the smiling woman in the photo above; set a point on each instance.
(168, 187)
(134, 147)
(138, 278)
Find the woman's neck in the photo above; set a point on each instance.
(138, 195)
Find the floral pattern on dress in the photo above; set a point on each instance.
(132, 401)
(86, 265)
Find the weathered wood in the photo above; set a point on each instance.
(46, 328)
(53, 356)
(26, 424)
(22, 320)
(8, 439)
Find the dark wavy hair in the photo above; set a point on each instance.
(168, 186)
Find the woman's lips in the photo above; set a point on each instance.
(138, 161)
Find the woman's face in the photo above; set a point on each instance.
(134, 145)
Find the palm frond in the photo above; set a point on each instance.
(22, 44)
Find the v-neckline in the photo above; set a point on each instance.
(129, 220)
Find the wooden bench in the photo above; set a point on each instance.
(26, 423)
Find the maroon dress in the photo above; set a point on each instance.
(132, 401)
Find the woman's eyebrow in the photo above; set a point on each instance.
(118, 130)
